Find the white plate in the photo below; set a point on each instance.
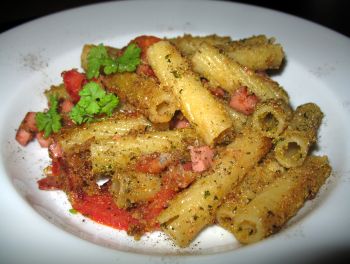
(32, 57)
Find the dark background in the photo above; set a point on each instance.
(330, 13)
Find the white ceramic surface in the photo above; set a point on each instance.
(36, 226)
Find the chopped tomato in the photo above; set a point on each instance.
(102, 209)
(244, 102)
(73, 81)
(23, 137)
(201, 157)
(157, 205)
(154, 163)
(144, 42)
(44, 142)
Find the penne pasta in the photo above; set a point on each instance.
(109, 154)
(153, 100)
(206, 115)
(129, 188)
(116, 126)
(195, 207)
(272, 117)
(222, 71)
(273, 207)
(293, 145)
(256, 53)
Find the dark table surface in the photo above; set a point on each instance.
(330, 13)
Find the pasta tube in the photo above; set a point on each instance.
(109, 154)
(194, 208)
(153, 100)
(222, 71)
(118, 125)
(189, 44)
(293, 145)
(253, 183)
(272, 117)
(128, 188)
(256, 53)
(207, 116)
(272, 208)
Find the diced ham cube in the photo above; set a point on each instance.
(23, 137)
(243, 102)
(201, 157)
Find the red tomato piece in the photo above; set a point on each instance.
(102, 209)
(153, 163)
(73, 81)
(144, 42)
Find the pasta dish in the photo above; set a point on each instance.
(176, 134)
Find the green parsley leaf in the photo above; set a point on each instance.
(95, 59)
(98, 58)
(130, 59)
(49, 121)
(93, 100)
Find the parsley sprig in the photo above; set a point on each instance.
(93, 101)
(98, 58)
(49, 121)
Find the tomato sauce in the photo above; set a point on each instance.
(102, 209)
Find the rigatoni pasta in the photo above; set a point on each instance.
(243, 193)
(153, 100)
(222, 71)
(294, 144)
(256, 53)
(109, 154)
(272, 117)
